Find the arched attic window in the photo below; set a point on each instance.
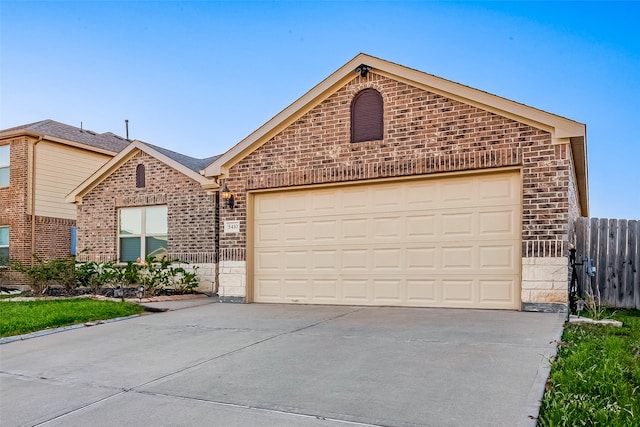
(140, 176)
(367, 116)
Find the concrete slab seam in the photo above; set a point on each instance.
(82, 408)
(194, 366)
(257, 408)
(45, 332)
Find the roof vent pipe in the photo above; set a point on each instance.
(126, 126)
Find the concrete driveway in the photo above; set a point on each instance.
(284, 365)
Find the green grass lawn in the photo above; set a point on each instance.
(595, 379)
(22, 317)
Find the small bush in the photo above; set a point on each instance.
(46, 273)
(156, 276)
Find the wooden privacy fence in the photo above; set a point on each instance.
(614, 247)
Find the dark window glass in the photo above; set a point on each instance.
(140, 178)
(367, 116)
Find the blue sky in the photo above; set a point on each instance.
(197, 77)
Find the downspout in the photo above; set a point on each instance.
(217, 238)
(33, 202)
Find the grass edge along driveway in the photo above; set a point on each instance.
(595, 378)
(22, 317)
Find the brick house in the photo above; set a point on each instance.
(149, 201)
(384, 185)
(34, 216)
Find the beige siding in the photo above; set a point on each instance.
(60, 169)
(451, 242)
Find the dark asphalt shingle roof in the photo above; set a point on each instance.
(190, 162)
(106, 141)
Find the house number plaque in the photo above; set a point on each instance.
(232, 226)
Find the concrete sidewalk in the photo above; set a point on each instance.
(284, 365)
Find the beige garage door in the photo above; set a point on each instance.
(448, 242)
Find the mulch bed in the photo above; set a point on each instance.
(127, 293)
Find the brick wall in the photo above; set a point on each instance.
(424, 133)
(14, 201)
(191, 211)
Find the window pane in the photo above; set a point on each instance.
(131, 221)
(156, 220)
(156, 246)
(4, 236)
(4, 256)
(4, 155)
(4, 177)
(129, 249)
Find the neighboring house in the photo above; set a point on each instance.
(149, 201)
(384, 185)
(39, 164)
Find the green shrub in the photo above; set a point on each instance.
(154, 275)
(42, 274)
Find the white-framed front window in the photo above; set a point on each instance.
(4, 165)
(4, 246)
(142, 232)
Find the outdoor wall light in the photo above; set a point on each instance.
(363, 69)
(228, 197)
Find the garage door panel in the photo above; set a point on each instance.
(495, 190)
(268, 290)
(355, 290)
(355, 199)
(268, 207)
(323, 201)
(267, 233)
(324, 261)
(295, 207)
(387, 228)
(356, 229)
(388, 291)
(498, 257)
(324, 230)
(457, 224)
(422, 292)
(457, 258)
(385, 197)
(457, 290)
(496, 291)
(498, 223)
(450, 242)
(294, 231)
(422, 196)
(296, 288)
(326, 289)
(355, 260)
(456, 191)
(294, 261)
(388, 260)
(420, 227)
(421, 259)
(268, 261)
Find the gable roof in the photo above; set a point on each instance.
(186, 165)
(559, 127)
(108, 142)
(196, 165)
